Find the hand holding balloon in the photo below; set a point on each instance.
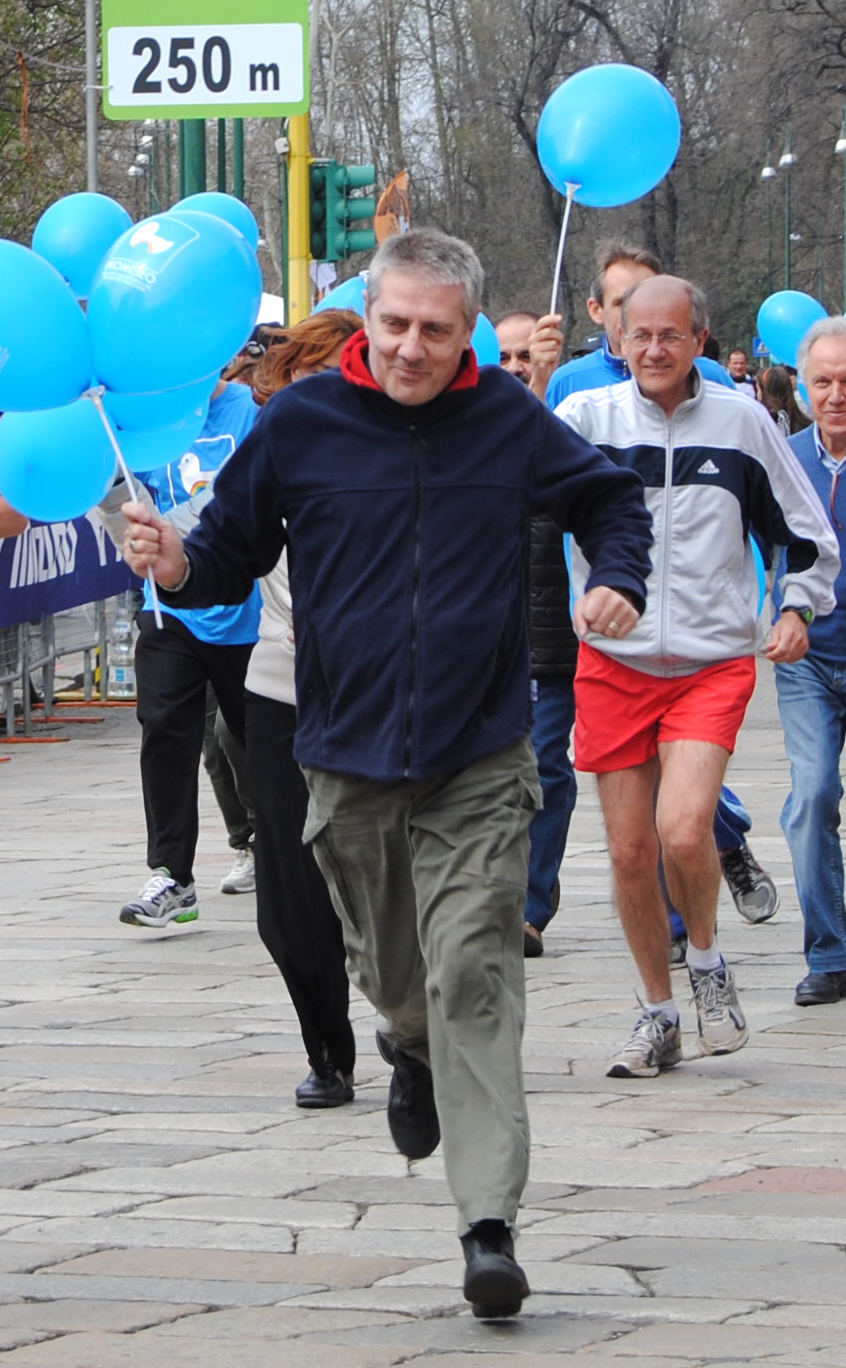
(545, 344)
(152, 543)
(606, 136)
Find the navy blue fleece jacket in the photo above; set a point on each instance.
(405, 529)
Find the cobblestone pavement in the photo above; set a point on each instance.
(162, 1201)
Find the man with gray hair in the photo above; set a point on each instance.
(658, 711)
(402, 485)
(812, 691)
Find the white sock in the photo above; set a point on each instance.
(666, 1009)
(704, 961)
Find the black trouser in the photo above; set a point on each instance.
(172, 669)
(296, 919)
(226, 765)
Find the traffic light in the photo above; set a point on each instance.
(334, 208)
(317, 181)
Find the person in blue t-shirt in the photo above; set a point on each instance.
(173, 667)
(618, 266)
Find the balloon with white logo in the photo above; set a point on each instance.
(172, 302)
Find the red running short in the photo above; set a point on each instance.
(622, 714)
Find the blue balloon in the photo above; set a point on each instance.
(227, 207)
(57, 463)
(142, 412)
(348, 295)
(176, 297)
(45, 358)
(76, 232)
(156, 447)
(485, 342)
(783, 320)
(612, 130)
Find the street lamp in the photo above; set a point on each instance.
(840, 151)
(786, 162)
(769, 173)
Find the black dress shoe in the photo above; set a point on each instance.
(816, 988)
(325, 1087)
(532, 941)
(412, 1115)
(494, 1283)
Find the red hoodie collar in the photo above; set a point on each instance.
(355, 369)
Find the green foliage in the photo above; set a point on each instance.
(42, 109)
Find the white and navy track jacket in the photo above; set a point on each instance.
(717, 466)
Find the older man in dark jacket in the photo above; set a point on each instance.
(402, 486)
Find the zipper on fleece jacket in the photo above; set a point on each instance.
(419, 445)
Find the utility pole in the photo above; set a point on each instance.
(298, 306)
(192, 159)
(91, 94)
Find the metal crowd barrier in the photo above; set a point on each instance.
(30, 652)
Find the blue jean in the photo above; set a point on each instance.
(731, 825)
(812, 704)
(555, 711)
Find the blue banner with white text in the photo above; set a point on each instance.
(54, 566)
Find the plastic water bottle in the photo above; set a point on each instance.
(122, 660)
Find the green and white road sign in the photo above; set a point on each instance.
(204, 59)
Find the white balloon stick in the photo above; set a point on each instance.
(571, 190)
(96, 397)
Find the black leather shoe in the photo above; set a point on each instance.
(412, 1115)
(816, 988)
(326, 1087)
(532, 941)
(494, 1283)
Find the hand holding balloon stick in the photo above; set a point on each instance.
(96, 397)
(606, 136)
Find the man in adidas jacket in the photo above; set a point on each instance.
(658, 711)
(406, 481)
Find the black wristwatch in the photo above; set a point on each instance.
(806, 614)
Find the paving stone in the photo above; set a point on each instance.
(73, 1315)
(204, 1292)
(155, 1166)
(747, 1343)
(278, 1323)
(224, 1264)
(295, 1214)
(20, 1257)
(725, 1268)
(159, 1234)
(144, 1350)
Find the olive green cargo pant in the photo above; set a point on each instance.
(429, 880)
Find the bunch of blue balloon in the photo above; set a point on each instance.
(607, 135)
(56, 461)
(350, 295)
(783, 320)
(169, 303)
